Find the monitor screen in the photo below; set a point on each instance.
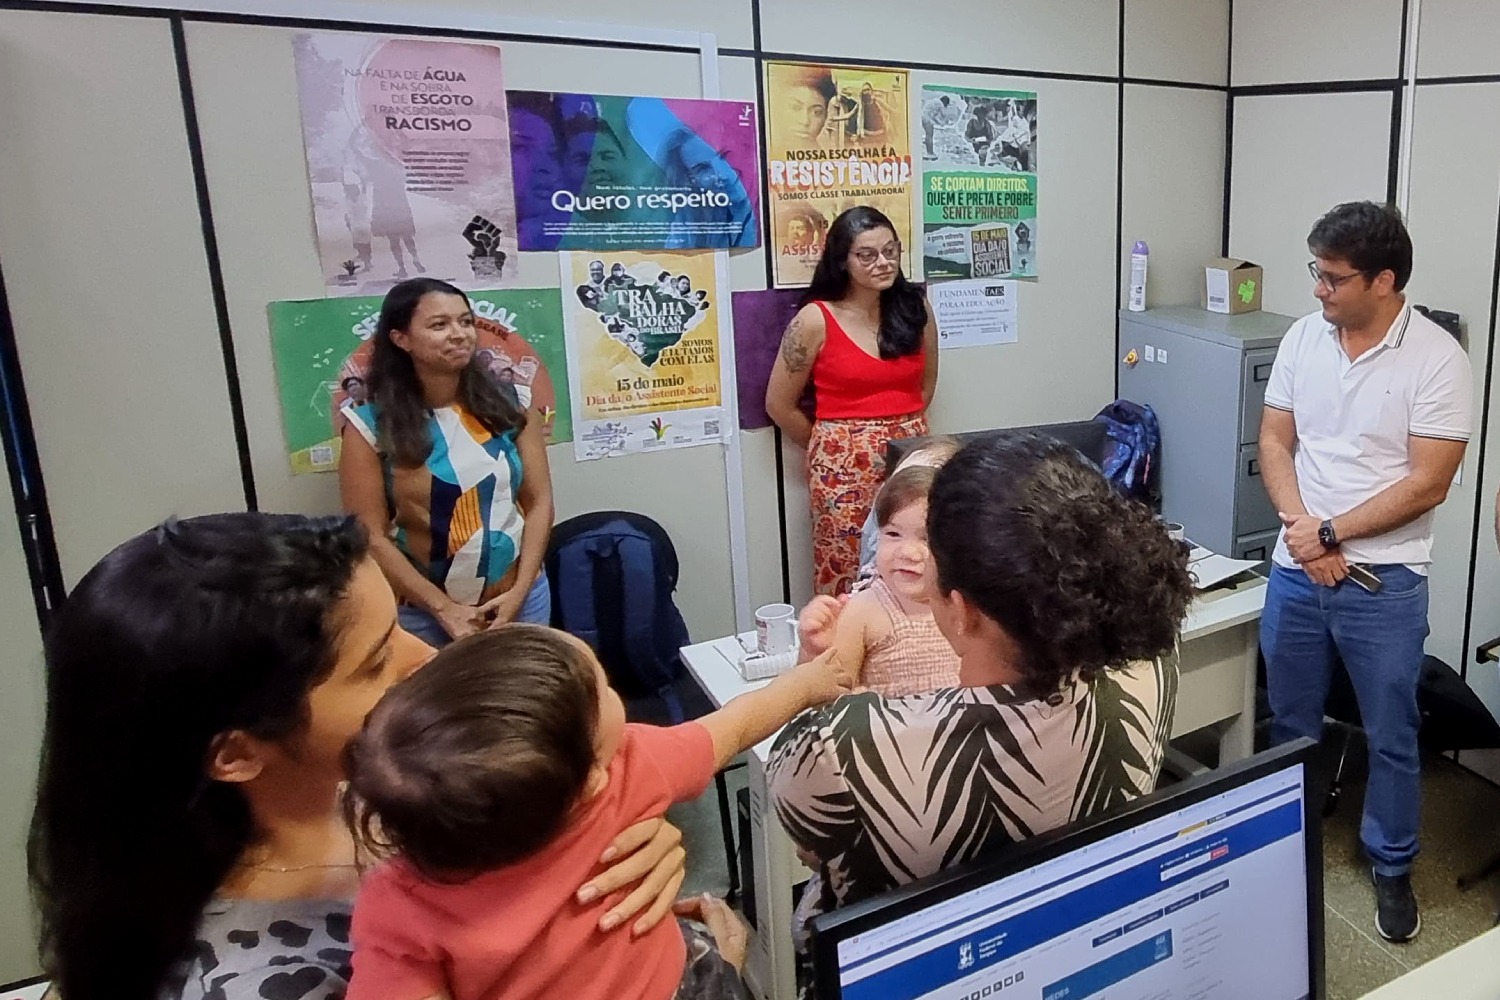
(1204, 892)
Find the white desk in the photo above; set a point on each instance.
(1220, 648)
(33, 992)
(1468, 972)
(770, 965)
(1219, 642)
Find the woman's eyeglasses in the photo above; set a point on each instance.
(867, 256)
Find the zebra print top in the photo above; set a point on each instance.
(883, 791)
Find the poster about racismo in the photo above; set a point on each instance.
(408, 158)
(978, 183)
(595, 172)
(322, 348)
(838, 136)
(643, 335)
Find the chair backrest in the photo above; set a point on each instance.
(612, 575)
(1089, 436)
(1124, 441)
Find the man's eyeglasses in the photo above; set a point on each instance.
(891, 252)
(1330, 281)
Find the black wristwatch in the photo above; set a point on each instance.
(1327, 536)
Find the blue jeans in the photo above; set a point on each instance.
(536, 608)
(1304, 630)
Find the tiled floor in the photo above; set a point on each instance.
(699, 821)
(1460, 830)
(1459, 833)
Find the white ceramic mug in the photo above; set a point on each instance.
(1175, 531)
(775, 629)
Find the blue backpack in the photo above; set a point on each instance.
(1131, 456)
(612, 575)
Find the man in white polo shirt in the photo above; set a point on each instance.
(1368, 411)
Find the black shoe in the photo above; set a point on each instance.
(1396, 915)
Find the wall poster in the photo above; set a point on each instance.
(408, 159)
(321, 349)
(974, 313)
(594, 172)
(839, 137)
(643, 336)
(760, 319)
(979, 185)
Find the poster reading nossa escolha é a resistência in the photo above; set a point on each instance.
(837, 137)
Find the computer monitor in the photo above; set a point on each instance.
(1211, 889)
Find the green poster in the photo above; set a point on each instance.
(321, 349)
(979, 183)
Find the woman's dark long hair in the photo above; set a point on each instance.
(396, 391)
(903, 310)
(190, 630)
(1081, 577)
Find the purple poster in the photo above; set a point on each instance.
(595, 172)
(760, 318)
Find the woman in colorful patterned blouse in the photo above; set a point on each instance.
(1063, 601)
(448, 474)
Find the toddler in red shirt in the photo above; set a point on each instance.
(493, 779)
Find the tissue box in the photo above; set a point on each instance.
(758, 667)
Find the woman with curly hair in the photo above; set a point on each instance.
(1063, 600)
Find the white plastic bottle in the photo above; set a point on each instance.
(1138, 260)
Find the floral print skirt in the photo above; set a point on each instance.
(846, 464)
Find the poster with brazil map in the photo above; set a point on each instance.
(643, 332)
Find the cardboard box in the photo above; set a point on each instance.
(1232, 286)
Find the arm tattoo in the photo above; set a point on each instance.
(793, 351)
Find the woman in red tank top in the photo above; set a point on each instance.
(866, 339)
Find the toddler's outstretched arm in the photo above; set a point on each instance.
(758, 714)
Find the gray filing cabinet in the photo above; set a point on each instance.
(1206, 379)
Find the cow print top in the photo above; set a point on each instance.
(267, 950)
